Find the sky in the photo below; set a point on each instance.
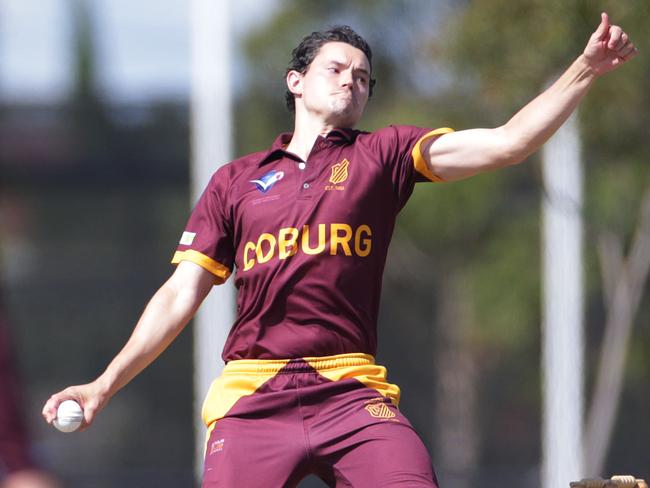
(143, 46)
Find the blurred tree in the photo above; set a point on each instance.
(88, 113)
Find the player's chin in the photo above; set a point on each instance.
(345, 115)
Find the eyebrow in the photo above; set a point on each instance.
(338, 63)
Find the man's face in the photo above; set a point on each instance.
(335, 86)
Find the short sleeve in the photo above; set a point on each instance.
(400, 147)
(207, 239)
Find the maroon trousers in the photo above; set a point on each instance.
(333, 417)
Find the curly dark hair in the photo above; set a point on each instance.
(304, 54)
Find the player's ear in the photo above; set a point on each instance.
(294, 82)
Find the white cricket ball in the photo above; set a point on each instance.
(68, 416)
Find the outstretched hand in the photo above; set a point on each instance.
(608, 47)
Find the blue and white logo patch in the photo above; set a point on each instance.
(266, 182)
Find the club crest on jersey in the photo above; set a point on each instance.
(338, 176)
(266, 182)
(340, 172)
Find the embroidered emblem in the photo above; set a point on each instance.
(339, 172)
(217, 446)
(266, 182)
(379, 411)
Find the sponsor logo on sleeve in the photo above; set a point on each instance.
(187, 238)
(266, 182)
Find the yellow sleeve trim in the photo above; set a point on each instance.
(420, 164)
(217, 269)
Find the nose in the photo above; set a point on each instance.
(346, 79)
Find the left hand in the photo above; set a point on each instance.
(608, 47)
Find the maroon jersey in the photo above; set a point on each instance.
(308, 239)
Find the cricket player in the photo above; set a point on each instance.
(306, 225)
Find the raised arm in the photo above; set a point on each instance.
(170, 309)
(461, 154)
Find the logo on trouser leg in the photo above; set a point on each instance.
(379, 410)
(217, 446)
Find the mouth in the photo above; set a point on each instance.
(344, 96)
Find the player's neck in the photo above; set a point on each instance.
(306, 131)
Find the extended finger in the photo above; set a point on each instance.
(601, 31)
